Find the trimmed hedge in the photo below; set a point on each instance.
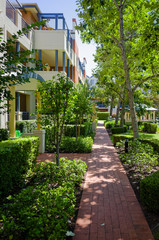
(26, 126)
(82, 145)
(121, 137)
(153, 142)
(16, 158)
(118, 130)
(150, 127)
(109, 125)
(4, 134)
(149, 191)
(103, 115)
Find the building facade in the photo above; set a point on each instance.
(56, 45)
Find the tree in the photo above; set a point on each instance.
(13, 68)
(55, 97)
(81, 105)
(121, 23)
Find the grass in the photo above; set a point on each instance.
(145, 135)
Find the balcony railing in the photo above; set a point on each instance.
(24, 25)
(10, 12)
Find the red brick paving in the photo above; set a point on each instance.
(108, 209)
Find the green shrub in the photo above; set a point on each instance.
(140, 156)
(82, 145)
(103, 115)
(16, 158)
(118, 130)
(109, 125)
(153, 142)
(149, 191)
(26, 126)
(4, 135)
(150, 127)
(121, 137)
(43, 210)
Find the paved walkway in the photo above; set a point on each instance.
(109, 209)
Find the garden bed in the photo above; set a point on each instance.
(135, 174)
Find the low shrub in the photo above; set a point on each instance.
(4, 135)
(16, 158)
(140, 156)
(109, 125)
(118, 130)
(103, 115)
(121, 137)
(43, 210)
(26, 126)
(82, 145)
(153, 142)
(150, 127)
(149, 191)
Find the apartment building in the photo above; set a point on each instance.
(56, 46)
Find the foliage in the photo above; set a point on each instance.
(121, 137)
(81, 145)
(43, 209)
(4, 135)
(17, 157)
(12, 64)
(55, 98)
(149, 191)
(153, 142)
(140, 155)
(109, 125)
(103, 115)
(73, 145)
(118, 130)
(150, 127)
(26, 126)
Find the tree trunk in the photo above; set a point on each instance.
(111, 106)
(117, 113)
(122, 114)
(127, 76)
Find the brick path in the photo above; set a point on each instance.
(109, 209)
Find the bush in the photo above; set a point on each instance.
(149, 191)
(43, 210)
(118, 130)
(4, 135)
(109, 125)
(153, 142)
(16, 158)
(26, 126)
(82, 145)
(121, 137)
(150, 127)
(103, 115)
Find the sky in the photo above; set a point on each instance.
(68, 7)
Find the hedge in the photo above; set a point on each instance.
(109, 125)
(16, 158)
(149, 191)
(4, 135)
(118, 130)
(121, 137)
(26, 126)
(103, 115)
(153, 142)
(150, 127)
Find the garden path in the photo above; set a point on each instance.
(108, 209)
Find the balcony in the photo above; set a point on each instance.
(14, 15)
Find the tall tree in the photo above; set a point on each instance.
(120, 23)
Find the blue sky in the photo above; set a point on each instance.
(67, 7)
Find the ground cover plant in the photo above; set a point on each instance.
(140, 163)
(44, 208)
